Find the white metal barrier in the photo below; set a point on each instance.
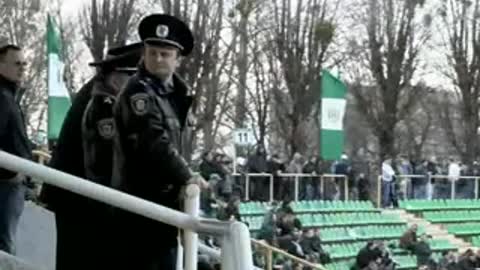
(411, 177)
(296, 178)
(236, 250)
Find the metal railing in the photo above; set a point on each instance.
(269, 256)
(296, 177)
(411, 177)
(236, 250)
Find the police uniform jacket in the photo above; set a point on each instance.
(151, 121)
(98, 130)
(13, 135)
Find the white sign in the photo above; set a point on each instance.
(333, 112)
(243, 137)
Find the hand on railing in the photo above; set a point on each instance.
(197, 179)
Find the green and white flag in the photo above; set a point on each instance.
(333, 112)
(58, 97)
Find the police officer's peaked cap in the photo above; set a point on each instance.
(163, 29)
(121, 58)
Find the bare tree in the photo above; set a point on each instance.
(209, 67)
(106, 23)
(300, 39)
(388, 55)
(22, 23)
(461, 21)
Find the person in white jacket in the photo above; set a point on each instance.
(454, 172)
(388, 185)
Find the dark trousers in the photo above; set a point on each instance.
(148, 258)
(12, 196)
(84, 240)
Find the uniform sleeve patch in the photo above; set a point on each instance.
(106, 128)
(139, 103)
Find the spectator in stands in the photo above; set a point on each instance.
(231, 211)
(310, 187)
(295, 166)
(432, 169)
(208, 198)
(477, 260)
(363, 187)
(342, 167)
(311, 245)
(291, 243)
(404, 167)
(276, 166)
(367, 256)
(467, 261)
(388, 184)
(443, 187)
(409, 238)
(448, 261)
(257, 163)
(423, 252)
(419, 185)
(465, 187)
(207, 165)
(268, 229)
(288, 222)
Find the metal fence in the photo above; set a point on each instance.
(236, 252)
(297, 178)
(429, 192)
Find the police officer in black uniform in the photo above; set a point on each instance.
(84, 240)
(14, 140)
(152, 116)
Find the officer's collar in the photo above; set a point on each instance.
(174, 84)
(10, 85)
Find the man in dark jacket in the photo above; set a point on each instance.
(152, 119)
(14, 140)
(423, 251)
(83, 150)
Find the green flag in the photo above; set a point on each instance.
(58, 97)
(333, 112)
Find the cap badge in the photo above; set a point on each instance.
(162, 31)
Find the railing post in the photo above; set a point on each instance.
(452, 194)
(346, 187)
(271, 187)
(296, 188)
(236, 248)
(192, 207)
(322, 187)
(476, 188)
(269, 258)
(379, 191)
(247, 187)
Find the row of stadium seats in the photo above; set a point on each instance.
(259, 208)
(329, 220)
(350, 250)
(476, 241)
(348, 219)
(439, 204)
(403, 262)
(460, 217)
(464, 229)
(364, 233)
(452, 216)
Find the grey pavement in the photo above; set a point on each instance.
(36, 238)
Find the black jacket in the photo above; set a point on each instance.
(98, 131)
(152, 121)
(13, 135)
(68, 155)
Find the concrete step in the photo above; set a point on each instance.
(437, 231)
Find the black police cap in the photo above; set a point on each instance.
(163, 29)
(121, 58)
